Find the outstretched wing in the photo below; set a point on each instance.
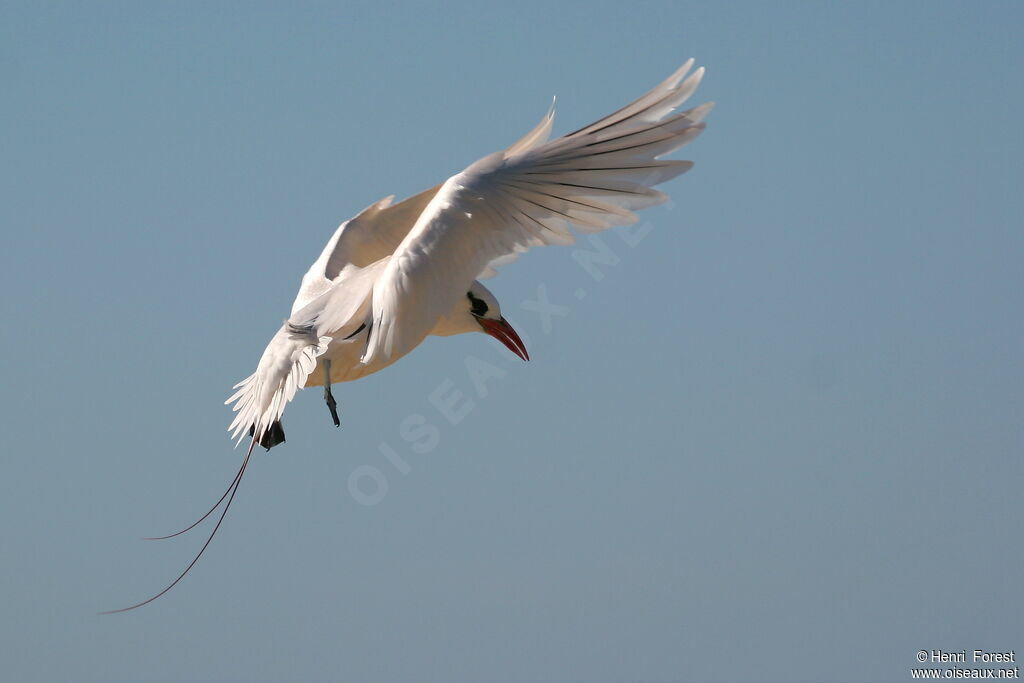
(528, 195)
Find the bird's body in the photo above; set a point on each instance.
(344, 359)
(397, 273)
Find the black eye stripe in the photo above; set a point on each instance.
(479, 306)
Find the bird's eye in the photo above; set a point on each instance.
(478, 306)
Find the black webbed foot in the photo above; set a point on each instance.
(273, 435)
(332, 405)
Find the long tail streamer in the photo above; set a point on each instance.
(233, 489)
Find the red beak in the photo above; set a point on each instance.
(503, 332)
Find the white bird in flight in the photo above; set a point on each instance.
(396, 273)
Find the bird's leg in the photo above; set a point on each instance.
(332, 405)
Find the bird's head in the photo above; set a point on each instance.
(479, 311)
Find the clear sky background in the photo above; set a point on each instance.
(778, 440)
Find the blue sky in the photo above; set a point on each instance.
(778, 439)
